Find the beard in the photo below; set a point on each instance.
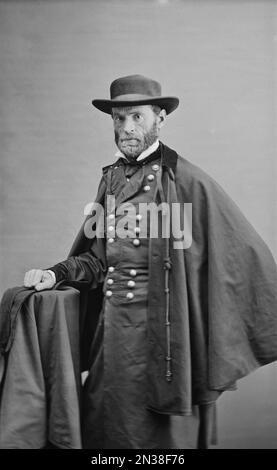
(132, 145)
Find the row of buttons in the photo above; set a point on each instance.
(132, 272)
(150, 177)
(138, 216)
(129, 295)
(130, 283)
(136, 241)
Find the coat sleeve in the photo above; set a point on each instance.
(86, 267)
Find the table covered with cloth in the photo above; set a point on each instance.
(40, 369)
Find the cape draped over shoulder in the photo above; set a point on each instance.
(223, 295)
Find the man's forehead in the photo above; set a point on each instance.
(131, 109)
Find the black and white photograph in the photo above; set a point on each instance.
(138, 227)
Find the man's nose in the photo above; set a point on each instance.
(129, 125)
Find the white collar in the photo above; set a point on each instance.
(143, 154)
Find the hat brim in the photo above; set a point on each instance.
(169, 103)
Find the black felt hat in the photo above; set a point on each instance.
(135, 90)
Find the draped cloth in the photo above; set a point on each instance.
(40, 386)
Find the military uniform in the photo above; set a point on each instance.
(115, 412)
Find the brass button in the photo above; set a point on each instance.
(131, 284)
(111, 228)
(133, 272)
(111, 269)
(110, 240)
(146, 188)
(130, 295)
(137, 229)
(111, 216)
(138, 216)
(109, 293)
(110, 282)
(150, 177)
(136, 242)
(155, 167)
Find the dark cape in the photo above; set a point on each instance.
(223, 295)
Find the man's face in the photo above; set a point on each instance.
(136, 128)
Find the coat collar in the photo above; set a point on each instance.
(168, 155)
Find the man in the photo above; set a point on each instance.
(176, 324)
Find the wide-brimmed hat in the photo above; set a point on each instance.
(135, 90)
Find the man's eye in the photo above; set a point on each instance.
(138, 117)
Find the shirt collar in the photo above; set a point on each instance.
(143, 154)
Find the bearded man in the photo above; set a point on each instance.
(175, 327)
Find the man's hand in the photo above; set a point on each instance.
(38, 279)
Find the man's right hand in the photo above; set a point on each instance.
(38, 279)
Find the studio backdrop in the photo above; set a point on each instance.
(218, 57)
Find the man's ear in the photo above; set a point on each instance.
(162, 117)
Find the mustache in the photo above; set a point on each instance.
(129, 141)
(120, 138)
